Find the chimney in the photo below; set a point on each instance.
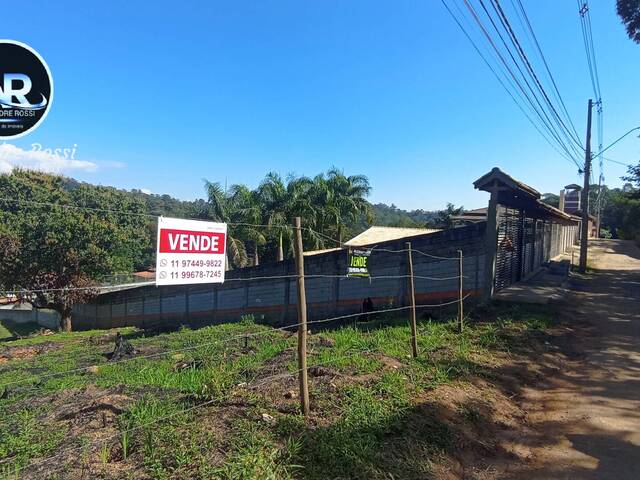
(561, 204)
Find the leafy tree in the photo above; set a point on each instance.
(445, 219)
(633, 176)
(629, 12)
(551, 199)
(54, 252)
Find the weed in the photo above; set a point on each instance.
(105, 454)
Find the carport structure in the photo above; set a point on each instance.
(522, 232)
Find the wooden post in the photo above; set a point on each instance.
(412, 293)
(491, 244)
(302, 320)
(460, 289)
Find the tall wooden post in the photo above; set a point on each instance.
(491, 244)
(302, 321)
(584, 201)
(412, 293)
(460, 293)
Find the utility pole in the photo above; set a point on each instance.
(584, 228)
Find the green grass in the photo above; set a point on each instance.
(368, 421)
(10, 330)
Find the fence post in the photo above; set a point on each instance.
(302, 320)
(460, 293)
(412, 293)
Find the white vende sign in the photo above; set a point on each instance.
(190, 251)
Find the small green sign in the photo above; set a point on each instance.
(358, 262)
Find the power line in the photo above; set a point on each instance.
(522, 87)
(546, 65)
(511, 94)
(507, 25)
(540, 110)
(617, 162)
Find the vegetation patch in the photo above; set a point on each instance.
(222, 401)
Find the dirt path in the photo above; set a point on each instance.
(585, 414)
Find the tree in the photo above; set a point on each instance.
(444, 219)
(276, 198)
(53, 252)
(346, 199)
(223, 207)
(551, 199)
(633, 176)
(629, 12)
(249, 212)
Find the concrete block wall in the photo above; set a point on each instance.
(44, 317)
(273, 300)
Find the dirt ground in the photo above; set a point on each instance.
(583, 415)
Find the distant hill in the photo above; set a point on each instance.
(165, 205)
(392, 216)
(385, 215)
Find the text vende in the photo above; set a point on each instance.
(188, 241)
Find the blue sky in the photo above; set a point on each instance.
(160, 95)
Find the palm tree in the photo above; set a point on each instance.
(222, 207)
(248, 210)
(280, 203)
(347, 200)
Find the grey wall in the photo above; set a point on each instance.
(44, 317)
(274, 300)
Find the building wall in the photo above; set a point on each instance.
(273, 300)
(26, 314)
(526, 243)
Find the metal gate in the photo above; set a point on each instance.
(509, 254)
(524, 244)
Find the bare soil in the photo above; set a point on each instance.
(582, 412)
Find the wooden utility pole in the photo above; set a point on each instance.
(584, 227)
(412, 293)
(460, 293)
(302, 321)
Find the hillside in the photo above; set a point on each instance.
(384, 215)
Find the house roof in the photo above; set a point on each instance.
(475, 215)
(486, 181)
(310, 253)
(376, 234)
(515, 194)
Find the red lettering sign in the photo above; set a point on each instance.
(188, 241)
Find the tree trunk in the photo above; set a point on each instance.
(280, 249)
(256, 260)
(65, 320)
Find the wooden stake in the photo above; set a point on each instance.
(412, 292)
(302, 321)
(460, 293)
